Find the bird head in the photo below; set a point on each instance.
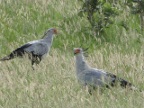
(77, 51)
(80, 51)
(50, 31)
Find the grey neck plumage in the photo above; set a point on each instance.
(81, 64)
(48, 38)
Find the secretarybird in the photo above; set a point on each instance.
(36, 49)
(93, 78)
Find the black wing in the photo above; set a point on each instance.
(19, 52)
(115, 79)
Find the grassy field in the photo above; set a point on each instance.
(53, 83)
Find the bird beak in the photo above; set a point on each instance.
(75, 53)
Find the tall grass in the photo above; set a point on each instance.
(53, 83)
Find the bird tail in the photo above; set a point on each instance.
(125, 84)
(10, 56)
(5, 58)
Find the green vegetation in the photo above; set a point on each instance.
(120, 50)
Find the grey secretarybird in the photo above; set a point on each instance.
(36, 49)
(93, 78)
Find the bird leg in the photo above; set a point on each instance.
(32, 62)
(87, 88)
(35, 60)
